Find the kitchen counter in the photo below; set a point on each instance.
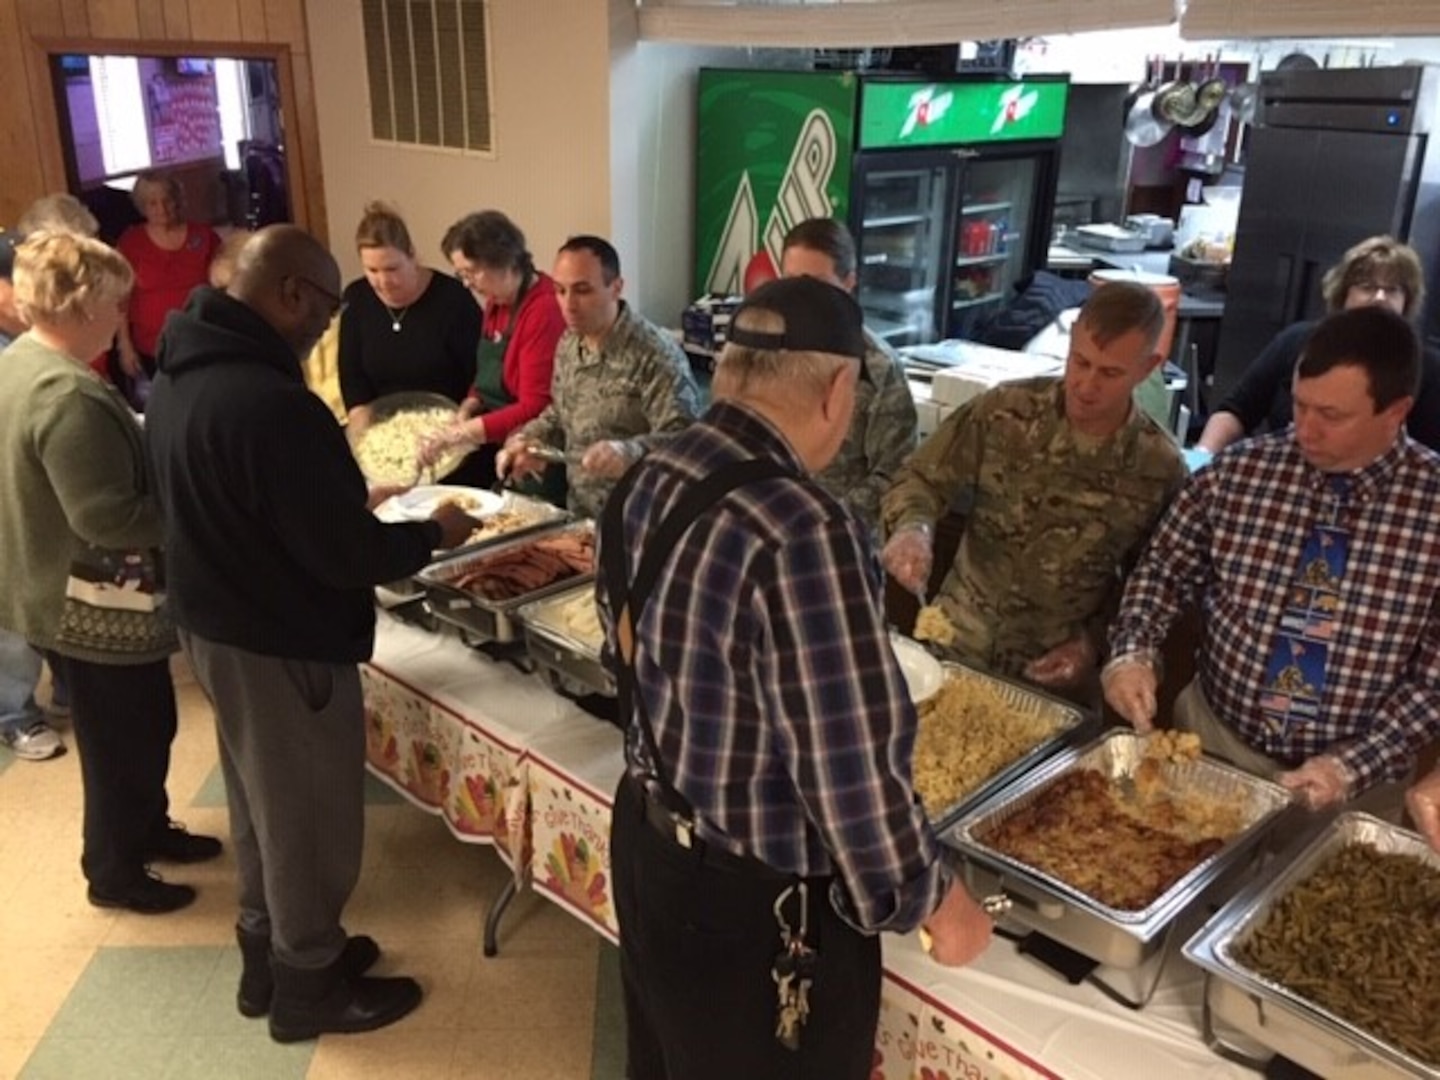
(1062, 257)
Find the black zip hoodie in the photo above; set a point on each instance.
(269, 545)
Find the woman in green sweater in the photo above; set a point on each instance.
(80, 566)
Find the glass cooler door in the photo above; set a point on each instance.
(902, 213)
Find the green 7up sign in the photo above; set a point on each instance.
(774, 148)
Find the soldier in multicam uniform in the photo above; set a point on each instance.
(620, 385)
(882, 431)
(1068, 478)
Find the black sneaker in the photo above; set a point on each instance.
(149, 896)
(178, 845)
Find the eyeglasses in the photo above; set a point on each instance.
(1374, 289)
(338, 304)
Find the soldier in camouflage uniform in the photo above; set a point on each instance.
(620, 384)
(1068, 478)
(882, 431)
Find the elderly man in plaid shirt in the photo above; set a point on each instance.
(1315, 556)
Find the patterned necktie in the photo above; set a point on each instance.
(1295, 674)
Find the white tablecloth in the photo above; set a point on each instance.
(507, 761)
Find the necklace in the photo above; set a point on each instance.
(396, 317)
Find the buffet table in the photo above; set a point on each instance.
(505, 761)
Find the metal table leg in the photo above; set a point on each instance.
(497, 909)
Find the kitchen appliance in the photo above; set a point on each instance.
(1107, 237)
(1064, 914)
(946, 183)
(1274, 1016)
(1335, 156)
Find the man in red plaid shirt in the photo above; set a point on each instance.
(1315, 557)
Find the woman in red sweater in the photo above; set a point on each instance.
(170, 257)
(521, 326)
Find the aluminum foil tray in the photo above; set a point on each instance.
(554, 645)
(1071, 726)
(1077, 919)
(479, 616)
(1273, 1014)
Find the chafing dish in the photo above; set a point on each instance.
(1275, 1016)
(1071, 725)
(556, 647)
(1122, 939)
(520, 515)
(478, 616)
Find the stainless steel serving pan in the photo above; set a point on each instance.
(1275, 1016)
(478, 616)
(538, 515)
(556, 649)
(1072, 725)
(1122, 939)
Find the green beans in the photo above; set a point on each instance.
(1361, 938)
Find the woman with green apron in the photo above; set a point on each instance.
(521, 325)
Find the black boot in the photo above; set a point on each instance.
(257, 981)
(309, 1003)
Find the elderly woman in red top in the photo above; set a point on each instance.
(522, 325)
(170, 257)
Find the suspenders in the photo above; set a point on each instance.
(629, 597)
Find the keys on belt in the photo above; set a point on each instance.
(794, 968)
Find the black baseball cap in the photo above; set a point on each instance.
(819, 317)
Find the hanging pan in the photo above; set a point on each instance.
(1142, 126)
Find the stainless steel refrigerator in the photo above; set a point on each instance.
(1335, 156)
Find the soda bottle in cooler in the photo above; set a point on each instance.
(1002, 236)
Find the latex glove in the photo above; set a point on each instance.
(909, 556)
(1130, 689)
(1320, 782)
(607, 459)
(468, 408)
(959, 929)
(1064, 665)
(515, 460)
(455, 525)
(434, 447)
(1423, 802)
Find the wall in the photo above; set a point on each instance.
(30, 148)
(550, 169)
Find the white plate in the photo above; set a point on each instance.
(923, 673)
(419, 503)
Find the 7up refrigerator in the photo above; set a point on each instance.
(948, 185)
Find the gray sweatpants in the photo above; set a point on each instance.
(292, 748)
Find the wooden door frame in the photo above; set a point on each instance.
(47, 117)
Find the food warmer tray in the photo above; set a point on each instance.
(1122, 939)
(545, 515)
(557, 650)
(1275, 1016)
(1073, 725)
(476, 616)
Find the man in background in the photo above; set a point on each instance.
(882, 433)
(621, 385)
(273, 553)
(1066, 478)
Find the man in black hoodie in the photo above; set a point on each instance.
(272, 552)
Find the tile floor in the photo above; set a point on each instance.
(91, 993)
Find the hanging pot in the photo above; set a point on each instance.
(1142, 126)
(1174, 100)
(1243, 100)
(1212, 91)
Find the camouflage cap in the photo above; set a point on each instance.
(819, 317)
